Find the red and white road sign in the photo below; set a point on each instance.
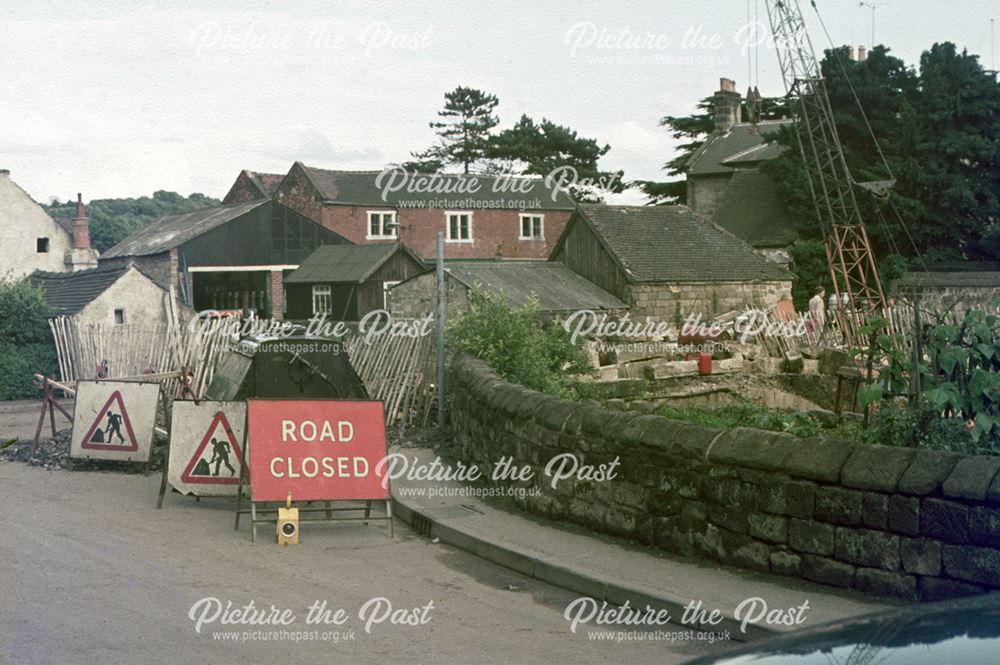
(114, 420)
(316, 450)
(206, 447)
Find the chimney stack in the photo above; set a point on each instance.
(81, 227)
(862, 54)
(850, 53)
(727, 105)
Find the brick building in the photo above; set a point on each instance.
(490, 222)
(666, 262)
(252, 186)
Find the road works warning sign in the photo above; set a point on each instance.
(206, 447)
(114, 420)
(316, 450)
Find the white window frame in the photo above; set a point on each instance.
(385, 292)
(520, 227)
(393, 232)
(447, 225)
(319, 292)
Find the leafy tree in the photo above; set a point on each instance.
(464, 132)
(26, 344)
(111, 220)
(545, 148)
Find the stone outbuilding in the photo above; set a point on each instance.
(667, 263)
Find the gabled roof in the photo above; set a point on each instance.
(345, 263)
(742, 144)
(267, 183)
(556, 287)
(672, 244)
(361, 188)
(169, 231)
(66, 293)
(751, 210)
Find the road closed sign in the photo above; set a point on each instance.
(316, 450)
(114, 420)
(206, 447)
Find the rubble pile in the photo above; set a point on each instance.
(53, 453)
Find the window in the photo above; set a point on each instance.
(459, 227)
(119, 316)
(321, 299)
(385, 293)
(380, 225)
(532, 227)
(42, 245)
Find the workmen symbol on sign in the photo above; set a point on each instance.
(223, 443)
(103, 437)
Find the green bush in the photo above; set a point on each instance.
(747, 414)
(516, 344)
(894, 423)
(25, 341)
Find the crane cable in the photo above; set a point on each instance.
(878, 147)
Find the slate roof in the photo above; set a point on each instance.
(744, 143)
(169, 231)
(556, 287)
(66, 293)
(344, 263)
(751, 210)
(360, 188)
(673, 244)
(267, 183)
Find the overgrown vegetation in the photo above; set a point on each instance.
(25, 341)
(747, 414)
(518, 345)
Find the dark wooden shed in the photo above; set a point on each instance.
(346, 282)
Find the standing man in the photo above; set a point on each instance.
(817, 313)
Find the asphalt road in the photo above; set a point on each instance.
(92, 573)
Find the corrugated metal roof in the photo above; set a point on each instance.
(66, 293)
(556, 287)
(752, 211)
(342, 263)
(673, 244)
(359, 187)
(742, 143)
(169, 231)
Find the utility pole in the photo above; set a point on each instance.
(440, 320)
(873, 7)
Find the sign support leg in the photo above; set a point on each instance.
(388, 512)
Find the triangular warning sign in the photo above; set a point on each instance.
(199, 469)
(106, 432)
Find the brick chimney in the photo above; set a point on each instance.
(81, 227)
(727, 105)
(850, 53)
(862, 54)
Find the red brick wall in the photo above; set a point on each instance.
(276, 286)
(297, 193)
(493, 231)
(243, 190)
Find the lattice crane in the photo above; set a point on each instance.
(848, 252)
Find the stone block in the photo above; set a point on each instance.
(827, 571)
(733, 519)
(875, 510)
(810, 537)
(972, 564)
(886, 584)
(877, 468)
(753, 555)
(920, 556)
(838, 506)
(971, 477)
(789, 497)
(927, 472)
(630, 495)
(904, 514)
(671, 370)
(944, 520)
(786, 563)
(819, 459)
(984, 526)
(937, 588)
(773, 528)
(867, 547)
(754, 448)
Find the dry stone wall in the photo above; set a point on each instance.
(892, 522)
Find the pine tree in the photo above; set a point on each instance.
(464, 132)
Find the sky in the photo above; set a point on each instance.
(117, 99)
